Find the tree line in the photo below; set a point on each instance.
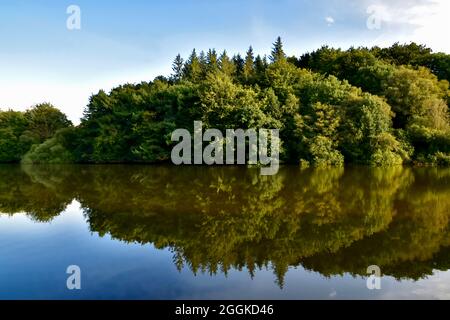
(376, 106)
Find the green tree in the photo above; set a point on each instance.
(43, 120)
(405, 54)
(260, 68)
(239, 65)
(177, 68)
(277, 51)
(192, 68)
(248, 70)
(19, 130)
(212, 60)
(226, 65)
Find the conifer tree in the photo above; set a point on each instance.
(203, 62)
(226, 65)
(239, 65)
(277, 51)
(192, 68)
(177, 67)
(249, 71)
(260, 68)
(212, 60)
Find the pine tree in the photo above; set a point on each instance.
(192, 68)
(249, 71)
(177, 67)
(226, 65)
(265, 62)
(203, 62)
(260, 68)
(277, 51)
(212, 60)
(259, 65)
(239, 65)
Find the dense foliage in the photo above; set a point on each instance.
(20, 131)
(378, 106)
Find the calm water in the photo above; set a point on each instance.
(159, 232)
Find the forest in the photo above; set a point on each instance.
(373, 106)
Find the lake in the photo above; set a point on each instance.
(166, 232)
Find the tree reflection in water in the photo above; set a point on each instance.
(331, 221)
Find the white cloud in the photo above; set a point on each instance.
(422, 21)
(436, 286)
(329, 20)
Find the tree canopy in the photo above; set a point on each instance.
(377, 106)
(19, 131)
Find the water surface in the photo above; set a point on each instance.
(162, 232)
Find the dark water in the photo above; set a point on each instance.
(159, 232)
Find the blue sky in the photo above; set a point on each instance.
(131, 41)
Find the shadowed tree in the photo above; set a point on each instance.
(177, 68)
(277, 51)
(239, 65)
